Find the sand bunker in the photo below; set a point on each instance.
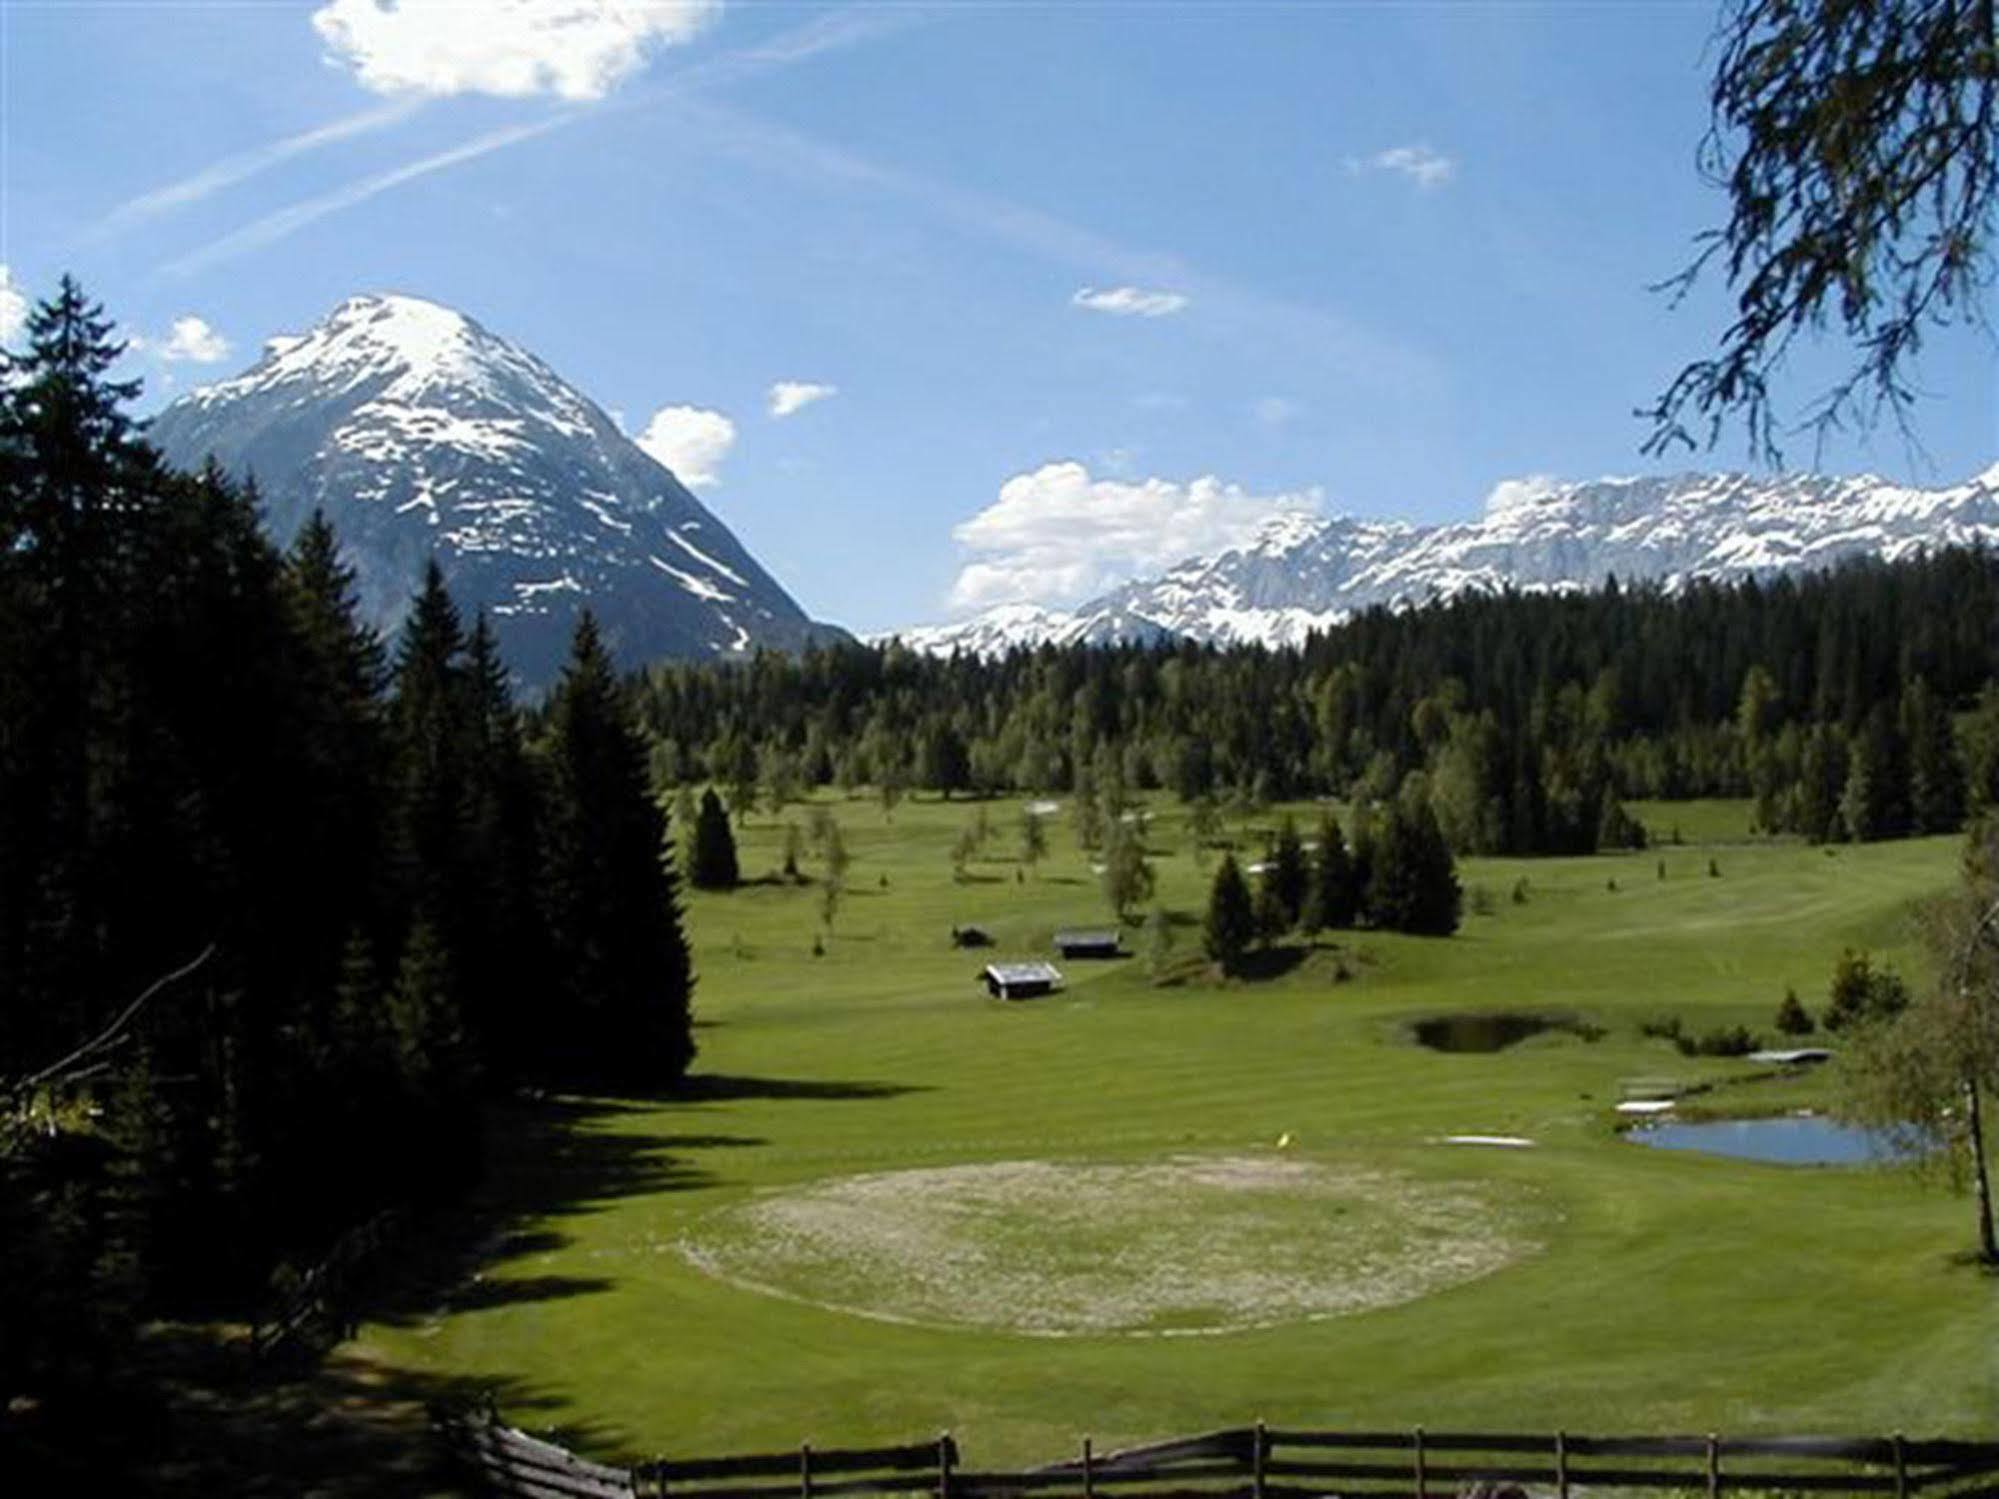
(1188, 1245)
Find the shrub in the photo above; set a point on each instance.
(1724, 1041)
(1793, 1019)
(1861, 992)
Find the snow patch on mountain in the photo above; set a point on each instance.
(422, 434)
(1300, 574)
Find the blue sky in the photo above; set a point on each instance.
(1057, 292)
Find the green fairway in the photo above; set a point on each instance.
(705, 1275)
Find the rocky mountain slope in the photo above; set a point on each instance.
(421, 434)
(1302, 574)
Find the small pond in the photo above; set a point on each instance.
(1493, 1030)
(1795, 1140)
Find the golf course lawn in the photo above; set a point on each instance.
(700, 1276)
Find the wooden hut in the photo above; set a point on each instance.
(1021, 980)
(1091, 944)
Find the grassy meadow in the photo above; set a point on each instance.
(1639, 1289)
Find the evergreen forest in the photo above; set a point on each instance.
(281, 904)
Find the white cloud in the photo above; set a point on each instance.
(13, 307)
(821, 35)
(1129, 301)
(1420, 164)
(191, 341)
(1059, 536)
(579, 49)
(1511, 494)
(788, 396)
(690, 441)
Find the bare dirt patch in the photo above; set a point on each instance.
(1181, 1246)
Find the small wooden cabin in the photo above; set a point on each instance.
(1081, 944)
(1021, 980)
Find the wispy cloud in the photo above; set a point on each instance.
(1422, 165)
(1229, 310)
(789, 396)
(690, 441)
(1059, 534)
(1129, 301)
(575, 49)
(243, 166)
(288, 221)
(1274, 411)
(823, 34)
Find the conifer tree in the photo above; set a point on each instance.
(1412, 885)
(1128, 877)
(1267, 908)
(1874, 802)
(619, 950)
(1793, 1019)
(1331, 900)
(1936, 773)
(1230, 925)
(427, 717)
(713, 866)
(1288, 875)
(1033, 839)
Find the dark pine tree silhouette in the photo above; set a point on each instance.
(713, 866)
(620, 954)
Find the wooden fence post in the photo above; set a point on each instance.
(944, 1466)
(1713, 1466)
(1422, 1488)
(1901, 1468)
(1561, 1465)
(1256, 1461)
(805, 1470)
(1089, 1471)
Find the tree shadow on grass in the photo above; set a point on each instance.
(710, 1087)
(206, 1421)
(1265, 963)
(202, 1419)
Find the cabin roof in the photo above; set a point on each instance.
(1086, 938)
(1023, 973)
(1792, 1056)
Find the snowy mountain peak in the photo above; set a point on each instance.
(1286, 533)
(422, 433)
(1299, 574)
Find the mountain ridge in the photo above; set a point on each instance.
(1299, 574)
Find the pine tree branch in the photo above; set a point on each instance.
(111, 1037)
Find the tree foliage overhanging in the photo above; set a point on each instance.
(416, 895)
(1858, 142)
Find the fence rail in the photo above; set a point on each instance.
(325, 1294)
(1259, 1462)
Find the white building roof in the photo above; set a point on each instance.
(1023, 973)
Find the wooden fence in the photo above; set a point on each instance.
(1259, 1462)
(324, 1297)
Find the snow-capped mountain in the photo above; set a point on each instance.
(1300, 574)
(421, 434)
